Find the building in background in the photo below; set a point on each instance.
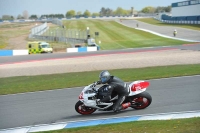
(187, 12)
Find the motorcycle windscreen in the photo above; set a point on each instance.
(139, 86)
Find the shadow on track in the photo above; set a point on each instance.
(96, 115)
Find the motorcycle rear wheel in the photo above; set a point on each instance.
(141, 100)
(82, 109)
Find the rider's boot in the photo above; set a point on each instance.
(126, 105)
(122, 107)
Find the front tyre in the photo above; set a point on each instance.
(141, 100)
(82, 109)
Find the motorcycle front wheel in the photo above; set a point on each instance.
(82, 109)
(141, 100)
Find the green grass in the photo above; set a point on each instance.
(156, 22)
(116, 36)
(189, 125)
(111, 34)
(21, 84)
(14, 25)
(8, 31)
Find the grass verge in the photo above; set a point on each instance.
(190, 125)
(156, 22)
(13, 85)
(11, 30)
(116, 36)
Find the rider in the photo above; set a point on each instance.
(175, 32)
(117, 85)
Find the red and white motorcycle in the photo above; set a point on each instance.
(137, 98)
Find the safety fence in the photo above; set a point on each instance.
(178, 21)
(57, 22)
(63, 39)
(69, 36)
(59, 34)
(40, 29)
(147, 14)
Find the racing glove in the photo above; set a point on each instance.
(98, 101)
(98, 82)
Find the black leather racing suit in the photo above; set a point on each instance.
(121, 88)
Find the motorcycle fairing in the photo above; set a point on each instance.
(87, 93)
(137, 87)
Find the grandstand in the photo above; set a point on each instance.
(186, 12)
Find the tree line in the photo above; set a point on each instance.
(103, 12)
(158, 9)
(118, 12)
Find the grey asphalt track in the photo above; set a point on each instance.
(24, 58)
(165, 30)
(169, 95)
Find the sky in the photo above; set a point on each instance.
(40, 7)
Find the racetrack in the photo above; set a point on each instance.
(36, 57)
(183, 33)
(169, 95)
(77, 62)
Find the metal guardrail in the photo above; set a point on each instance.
(71, 36)
(178, 21)
(60, 39)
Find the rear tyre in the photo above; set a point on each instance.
(82, 109)
(141, 100)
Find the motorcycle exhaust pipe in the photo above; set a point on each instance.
(126, 105)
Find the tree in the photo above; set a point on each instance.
(148, 9)
(61, 16)
(95, 14)
(102, 11)
(121, 11)
(106, 11)
(118, 11)
(79, 13)
(58, 15)
(159, 9)
(25, 14)
(12, 18)
(163, 9)
(20, 17)
(109, 12)
(49, 16)
(7, 17)
(87, 13)
(33, 17)
(168, 9)
(70, 13)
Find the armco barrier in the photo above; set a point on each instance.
(81, 49)
(25, 52)
(13, 52)
(6, 52)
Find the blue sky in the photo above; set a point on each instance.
(39, 7)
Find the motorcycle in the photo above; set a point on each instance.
(138, 98)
